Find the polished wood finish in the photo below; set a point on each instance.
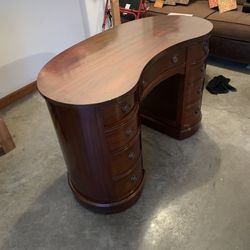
(18, 94)
(99, 91)
(109, 65)
(174, 105)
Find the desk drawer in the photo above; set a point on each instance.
(162, 63)
(192, 115)
(123, 134)
(130, 182)
(198, 52)
(196, 72)
(125, 159)
(115, 111)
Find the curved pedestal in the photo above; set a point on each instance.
(110, 207)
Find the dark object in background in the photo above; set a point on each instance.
(220, 85)
(246, 7)
(132, 9)
(134, 4)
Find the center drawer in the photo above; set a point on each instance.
(170, 59)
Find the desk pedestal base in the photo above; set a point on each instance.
(110, 207)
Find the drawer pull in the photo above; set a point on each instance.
(129, 132)
(144, 83)
(197, 111)
(133, 178)
(125, 108)
(175, 59)
(131, 156)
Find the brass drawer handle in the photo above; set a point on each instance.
(175, 59)
(133, 178)
(129, 132)
(125, 108)
(131, 155)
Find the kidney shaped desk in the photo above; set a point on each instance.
(100, 90)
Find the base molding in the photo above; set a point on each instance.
(110, 207)
(18, 94)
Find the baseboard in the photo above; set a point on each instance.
(18, 94)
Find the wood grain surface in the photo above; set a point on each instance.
(98, 92)
(109, 64)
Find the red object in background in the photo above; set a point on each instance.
(137, 10)
(107, 15)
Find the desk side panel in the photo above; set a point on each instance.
(80, 134)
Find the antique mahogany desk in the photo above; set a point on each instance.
(100, 90)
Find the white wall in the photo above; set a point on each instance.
(92, 14)
(33, 31)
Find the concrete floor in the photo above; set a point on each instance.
(196, 194)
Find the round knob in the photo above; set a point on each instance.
(125, 108)
(131, 155)
(133, 178)
(129, 132)
(197, 111)
(175, 59)
(144, 83)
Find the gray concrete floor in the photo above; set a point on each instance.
(196, 194)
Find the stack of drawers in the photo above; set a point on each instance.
(193, 89)
(172, 85)
(123, 139)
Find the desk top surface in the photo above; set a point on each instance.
(109, 65)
